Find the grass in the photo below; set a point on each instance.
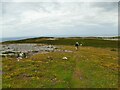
(39, 71)
(94, 70)
(90, 67)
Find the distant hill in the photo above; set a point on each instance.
(86, 41)
(24, 39)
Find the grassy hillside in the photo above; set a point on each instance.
(70, 41)
(89, 67)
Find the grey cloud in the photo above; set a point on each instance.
(107, 6)
(58, 18)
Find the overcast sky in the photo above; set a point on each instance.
(21, 19)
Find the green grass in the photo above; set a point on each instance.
(89, 67)
(50, 73)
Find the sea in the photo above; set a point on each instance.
(12, 38)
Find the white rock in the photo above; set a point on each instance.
(64, 58)
(18, 59)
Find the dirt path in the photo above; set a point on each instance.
(77, 75)
(88, 71)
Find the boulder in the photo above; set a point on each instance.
(64, 58)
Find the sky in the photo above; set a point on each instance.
(55, 18)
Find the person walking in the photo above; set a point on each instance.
(77, 46)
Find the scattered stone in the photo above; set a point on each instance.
(36, 71)
(67, 51)
(81, 78)
(49, 57)
(64, 58)
(18, 60)
(27, 75)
